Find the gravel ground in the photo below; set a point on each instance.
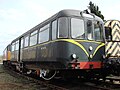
(8, 82)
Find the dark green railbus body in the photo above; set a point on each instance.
(69, 40)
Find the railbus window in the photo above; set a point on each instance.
(89, 30)
(77, 28)
(26, 41)
(33, 38)
(21, 43)
(13, 46)
(44, 33)
(63, 27)
(54, 29)
(98, 31)
(17, 45)
(9, 48)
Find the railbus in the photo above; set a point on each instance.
(70, 43)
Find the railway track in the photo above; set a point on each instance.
(71, 84)
(45, 85)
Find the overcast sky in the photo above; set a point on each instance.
(18, 16)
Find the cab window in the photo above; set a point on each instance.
(89, 30)
(98, 31)
(63, 27)
(77, 28)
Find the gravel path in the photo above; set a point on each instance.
(8, 82)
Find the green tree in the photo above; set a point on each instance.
(95, 9)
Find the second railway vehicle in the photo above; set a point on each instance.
(112, 47)
(70, 43)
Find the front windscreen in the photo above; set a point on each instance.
(94, 30)
(89, 30)
(77, 28)
(98, 31)
(63, 27)
(80, 29)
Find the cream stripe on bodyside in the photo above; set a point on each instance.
(102, 44)
(107, 23)
(112, 24)
(116, 37)
(113, 47)
(108, 45)
(115, 51)
(115, 28)
(78, 44)
(115, 22)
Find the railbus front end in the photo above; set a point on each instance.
(80, 46)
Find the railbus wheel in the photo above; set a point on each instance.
(47, 74)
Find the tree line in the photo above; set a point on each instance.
(95, 9)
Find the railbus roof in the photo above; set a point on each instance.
(62, 13)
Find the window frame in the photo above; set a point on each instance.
(46, 27)
(83, 27)
(21, 42)
(17, 45)
(13, 45)
(100, 31)
(58, 37)
(55, 34)
(25, 41)
(92, 39)
(32, 34)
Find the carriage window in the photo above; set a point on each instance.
(26, 41)
(44, 34)
(33, 38)
(21, 43)
(54, 29)
(63, 27)
(89, 30)
(13, 46)
(77, 28)
(98, 31)
(17, 45)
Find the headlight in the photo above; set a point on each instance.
(103, 56)
(90, 48)
(74, 56)
(90, 55)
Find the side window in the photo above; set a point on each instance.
(17, 45)
(13, 46)
(33, 38)
(54, 29)
(26, 41)
(63, 27)
(89, 30)
(44, 34)
(21, 43)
